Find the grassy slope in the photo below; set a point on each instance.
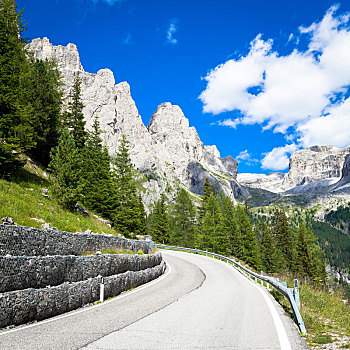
(326, 316)
(22, 200)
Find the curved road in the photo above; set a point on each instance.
(200, 303)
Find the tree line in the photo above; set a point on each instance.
(220, 226)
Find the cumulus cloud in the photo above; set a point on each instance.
(171, 31)
(229, 122)
(246, 157)
(278, 158)
(304, 92)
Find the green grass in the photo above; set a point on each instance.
(22, 200)
(324, 313)
(323, 339)
(326, 316)
(114, 251)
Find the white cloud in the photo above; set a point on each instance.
(229, 122)
(303, 91)
(246, 157)
(171, 31)
(333, 128)
(278, 158)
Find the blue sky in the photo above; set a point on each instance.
(260, 79)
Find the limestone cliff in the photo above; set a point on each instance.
(315, 163)
(169, 153)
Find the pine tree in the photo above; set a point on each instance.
(304, 262)
(183, 220)
(231, 229)
(127, 217)
(66, 167)
(249, 241)
(159, 222)
(211, 231)
(16, 126)
(267, 249)
(207, 191)
(43, 96)
(74, 117)
(284, 240)
(96, 176)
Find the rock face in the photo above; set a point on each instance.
(165, 152)
(272, 182)
(315, 163)
(344, 182)
(346, 167)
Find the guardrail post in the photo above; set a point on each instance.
(296, 293)
(102, 290)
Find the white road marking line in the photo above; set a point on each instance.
(281, 332)
(88, 308)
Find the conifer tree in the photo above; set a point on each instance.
(249, 240)
(267, 249)
(183, 220)
(127, 217)
(211, 231)
(159, 222)
(16, 126)
(310, 257)
(66, 167)
(304, 262)
(207, 191)
(74, 117)
(231, 229)
(43, 96)
(96, 175)
(284, 240)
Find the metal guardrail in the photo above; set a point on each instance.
(292, 294)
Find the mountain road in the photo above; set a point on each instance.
(199, 303)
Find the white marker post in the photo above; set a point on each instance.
(102, 290)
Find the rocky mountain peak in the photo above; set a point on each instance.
(168, 153)
(67, 57)
(168, 116)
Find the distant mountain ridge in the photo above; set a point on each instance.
(168, 152)
(317, 174)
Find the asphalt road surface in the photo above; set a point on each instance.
(200, 303)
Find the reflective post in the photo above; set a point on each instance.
(102, 290)
(296, 293)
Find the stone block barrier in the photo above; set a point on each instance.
(27, 241)
(23, 272)
(22, 306)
